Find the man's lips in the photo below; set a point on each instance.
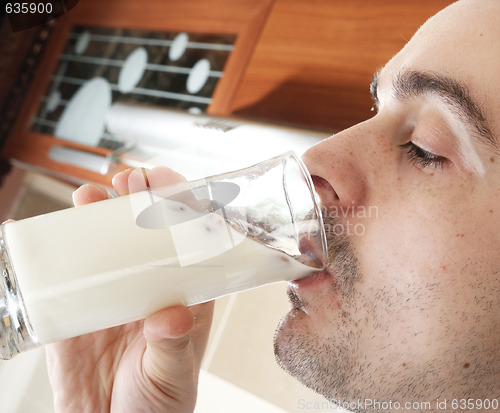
(304, 291)
(311, 280)
(311, 247)
(313, 253)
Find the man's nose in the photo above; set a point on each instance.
(325, 191)
(336, 166)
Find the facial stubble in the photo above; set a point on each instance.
(324, 364)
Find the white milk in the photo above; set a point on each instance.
(92, 267)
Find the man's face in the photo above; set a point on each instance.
(410, 308)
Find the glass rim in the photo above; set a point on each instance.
(315, 198)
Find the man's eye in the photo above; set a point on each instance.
(422, 158)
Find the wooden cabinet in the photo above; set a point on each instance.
(314, 61)
(151, 22)
(304, 63)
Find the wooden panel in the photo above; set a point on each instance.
(13, 49)
(244, 18)
(315, 59)
(36, 155)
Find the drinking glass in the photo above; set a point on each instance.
(108, 263)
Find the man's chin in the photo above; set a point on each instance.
(295, 352)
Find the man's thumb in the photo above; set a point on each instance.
(169, 359)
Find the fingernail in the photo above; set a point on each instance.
(103, 189)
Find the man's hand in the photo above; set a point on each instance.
(145, 366)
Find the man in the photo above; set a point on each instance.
(408, 314)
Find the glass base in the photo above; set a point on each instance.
(16, 334)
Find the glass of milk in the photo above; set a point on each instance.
(112, 262)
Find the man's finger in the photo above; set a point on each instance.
(88, 193)
(169, 350)
(139, 179)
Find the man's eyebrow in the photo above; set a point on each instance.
(411, 84)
